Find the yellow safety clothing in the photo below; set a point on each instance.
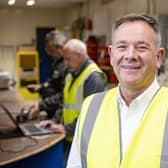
(74, 94)
(100, 135)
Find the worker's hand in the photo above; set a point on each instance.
(33, 88)
(58, 128)
(35, 110)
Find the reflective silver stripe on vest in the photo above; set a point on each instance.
(164, 154)
(72, 106)
(88, 125)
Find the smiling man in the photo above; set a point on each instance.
(127, 126)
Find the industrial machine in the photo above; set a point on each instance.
(28, 71)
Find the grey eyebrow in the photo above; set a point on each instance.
(138, 42)
(120, 42)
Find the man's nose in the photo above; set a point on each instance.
(131, 52)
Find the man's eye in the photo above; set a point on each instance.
(121, 47)
(142, 48)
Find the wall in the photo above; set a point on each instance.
(18, 25)
(117, 8)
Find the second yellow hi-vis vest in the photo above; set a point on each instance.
(74, 94)
(100, 139)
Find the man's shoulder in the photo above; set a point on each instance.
(164, 91)
(106, 92)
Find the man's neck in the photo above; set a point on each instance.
(129, 94)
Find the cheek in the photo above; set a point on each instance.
(150, 64)
(149, 61)
(72, 64)
(114, 61)
(75, 62)
(76, 66)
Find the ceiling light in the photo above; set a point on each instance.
(30, 2)
(11, 2)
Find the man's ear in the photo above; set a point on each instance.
(160, 56)
(109, 49)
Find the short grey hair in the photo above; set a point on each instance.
(151, 21)
(56, 37)
(76, 45)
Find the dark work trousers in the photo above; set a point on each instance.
(66, 150)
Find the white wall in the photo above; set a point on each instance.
(18, 25)
(117, 8)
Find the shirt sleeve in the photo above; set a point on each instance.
(70, 128)
(74, 160)
(52, 103)
(94, 84)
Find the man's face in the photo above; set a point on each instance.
(134, 55)
(54, 51)
(71, 59)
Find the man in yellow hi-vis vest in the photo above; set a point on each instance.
(84, 79)
(127, 126)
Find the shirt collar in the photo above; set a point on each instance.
(145, 97)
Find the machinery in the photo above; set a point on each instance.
(28, 71)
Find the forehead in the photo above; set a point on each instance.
(134, 30)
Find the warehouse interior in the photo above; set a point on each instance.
(79, 18)
(24, 60)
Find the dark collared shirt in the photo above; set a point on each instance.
(52, 89)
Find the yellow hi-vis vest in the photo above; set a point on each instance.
(99, 134)
(74, 94)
